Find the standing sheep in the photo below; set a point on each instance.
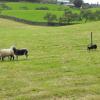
(20, 52)
(6, 53)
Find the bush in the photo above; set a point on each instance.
(24, 8)
(87, 15)
(5, 7)
(97, 14)
(50, 18)
(42, 8)
(68, 17)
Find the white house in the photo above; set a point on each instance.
(65, 2)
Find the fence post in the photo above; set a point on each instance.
(91, 39)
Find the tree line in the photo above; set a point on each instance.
(77, 3)
(22, 0)
(16, 0)
(72, 18)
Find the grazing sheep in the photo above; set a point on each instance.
(20, 52)
(93, 46)
(6, 53)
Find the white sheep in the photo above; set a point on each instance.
(6, 53)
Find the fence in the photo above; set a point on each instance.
(27, 21)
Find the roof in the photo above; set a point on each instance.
(63, 1)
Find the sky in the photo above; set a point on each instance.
(92, 1)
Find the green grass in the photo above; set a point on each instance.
(33, 6)
(58, 68)
(95, 9)
(31, 15)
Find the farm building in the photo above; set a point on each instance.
(65, 2)
(47, 1)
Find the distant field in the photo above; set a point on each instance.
(28, 11)
(32, 15)
(59, 66)
(33, 6)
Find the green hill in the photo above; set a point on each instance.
(59, 65)
(33, 6)
(33, 11)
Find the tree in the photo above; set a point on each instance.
(68, 17)
(71, 1)
(87, 15)
(78, 3)
(97, 14)
(50, 18)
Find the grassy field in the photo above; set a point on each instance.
(33, 6)
(58, 68)
(31, 15)
(28, 11)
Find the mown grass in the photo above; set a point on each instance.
(59, 66)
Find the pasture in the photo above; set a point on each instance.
(58, 68)
(33, 6)
(31, 15)
(28, 11)
(35, 12)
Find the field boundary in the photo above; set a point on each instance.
(27, 21)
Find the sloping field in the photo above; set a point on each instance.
(31, 15)
(28, 11)
(58, 68)
(34, 6)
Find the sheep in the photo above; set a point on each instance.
(6, 53)
(19, 52)
(93, 46)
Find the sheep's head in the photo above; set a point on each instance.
(13, 46)
(14, 49)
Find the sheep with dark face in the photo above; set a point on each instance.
(7, 53)
(93, 46)
(20, 52)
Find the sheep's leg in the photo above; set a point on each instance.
(12, 57)
(26, 56)
(8, 57)
(17, 57)
(2, 58)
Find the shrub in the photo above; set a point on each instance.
(87, 15)
(24, 8)
(50, 18)
(68, 17)
(97, 14)
(42, 8)
(5, 7)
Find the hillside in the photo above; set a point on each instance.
(59, 65)
(34, 12)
